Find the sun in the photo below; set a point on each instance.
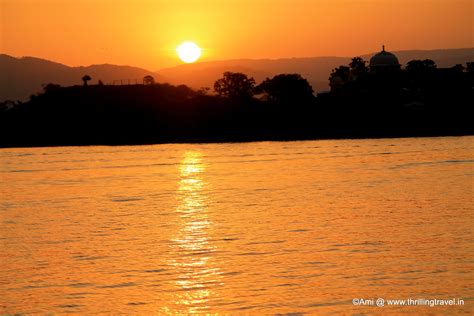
(188, 52)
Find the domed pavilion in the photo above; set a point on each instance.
(384, 62)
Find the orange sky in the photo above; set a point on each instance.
(145, 33)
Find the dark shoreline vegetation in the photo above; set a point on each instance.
(420, 100)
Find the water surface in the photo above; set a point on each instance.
(270, 227)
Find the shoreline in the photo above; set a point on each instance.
(235, 140)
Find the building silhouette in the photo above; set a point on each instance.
(384, 62)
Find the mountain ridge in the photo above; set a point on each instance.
(21, 77)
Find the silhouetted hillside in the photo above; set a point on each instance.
(417, 101)
(21, 77)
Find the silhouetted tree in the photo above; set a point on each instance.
(203, 90)
(458, 67)
(358, 66)
(342, 72)
(100, 83)
(429, 64)
(286, 88)
(414, 65)
(85, 79)
(148, 80)
(338, 77)
(235, 85)
(420, 65)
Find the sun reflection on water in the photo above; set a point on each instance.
(192, 249)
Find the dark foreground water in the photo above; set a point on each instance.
(270, 227)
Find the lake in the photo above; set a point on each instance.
(256, 228)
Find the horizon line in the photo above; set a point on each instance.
(228, 60)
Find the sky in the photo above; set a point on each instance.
(145, 33)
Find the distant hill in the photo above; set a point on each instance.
(21, 77)
(316, 69)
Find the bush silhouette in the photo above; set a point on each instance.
(148, 80)
(235, 85)
(286, 89)
(420, 65)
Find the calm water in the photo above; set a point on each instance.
(271, 227)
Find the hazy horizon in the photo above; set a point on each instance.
(145, 34)
(178, 64)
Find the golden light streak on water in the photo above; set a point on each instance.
(192, 249)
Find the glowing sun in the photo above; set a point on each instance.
(188, 52)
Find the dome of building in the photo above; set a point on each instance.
(384, 59)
